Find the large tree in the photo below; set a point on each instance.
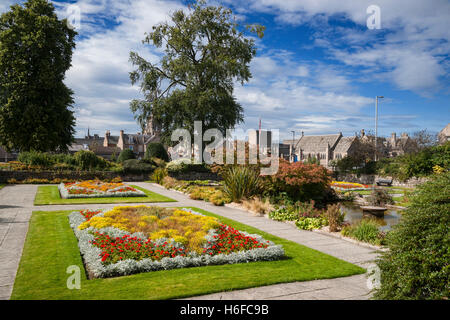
(205, 52)
(35, 104)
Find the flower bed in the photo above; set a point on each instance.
(349, 186)
(128, 240)
(97, 189)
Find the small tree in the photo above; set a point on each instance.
(417, 263)
(156, 150)
(126, 154)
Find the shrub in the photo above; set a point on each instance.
(158, 175)
(156, 150)
(365, 230)
(335, 217)
(310, 223)
(36, 158)
(87, 160)
(218, 198)
(241, 182)
(185, 165)
(137, 166)
(300, 181)
(202, 193)
(416, 265)
(126, 154)
(284, 214)
(380, 198)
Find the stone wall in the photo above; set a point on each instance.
(371, 178)
(70, 175)
(191, 176)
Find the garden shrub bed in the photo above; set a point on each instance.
(97, 189)
(128, 240)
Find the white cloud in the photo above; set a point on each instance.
(411, 53)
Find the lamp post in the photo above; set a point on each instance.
(293, 146)
(376, 123)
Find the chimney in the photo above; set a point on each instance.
(362, 133)
(394, 139)
(121, 133)
(303, 133)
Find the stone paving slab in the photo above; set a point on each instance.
(16, 207)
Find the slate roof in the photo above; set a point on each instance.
(344, 144)
(319, 143)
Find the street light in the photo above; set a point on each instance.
(376, 123)
(293, 145)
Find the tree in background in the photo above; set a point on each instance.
(35, 52)
(156, 150)
(205, 53)
(424, 139)
(126, 154)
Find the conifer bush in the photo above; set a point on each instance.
(417, 263)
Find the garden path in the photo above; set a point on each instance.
(16, 206)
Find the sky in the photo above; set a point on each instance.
(318, 68)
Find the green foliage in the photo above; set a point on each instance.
(35, 52)
(88, 160)
(205, 54)
(241, 183)
(184, 166)
(158, 175)
(285, 213)
(306, 223)
(335, 217)
(36, 158)
(156, 150)
(416, 265)
(138, 166)
(126, 154)
(365, 230)
(416, 164)
(380, 197)
(312, 160)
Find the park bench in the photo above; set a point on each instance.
(386, 182)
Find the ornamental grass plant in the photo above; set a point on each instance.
(241, 182)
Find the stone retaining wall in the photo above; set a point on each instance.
(371, 178)
(70, 175)
(191, 176)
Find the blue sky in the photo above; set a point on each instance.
(318, 67)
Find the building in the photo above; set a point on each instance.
(136, 142)
(444, 135)
(320, 147)
(399, 146)
(7, 156)
(85, 143)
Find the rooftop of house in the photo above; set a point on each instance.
(344, 144)
(317, 143)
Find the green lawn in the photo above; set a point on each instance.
(1, 185)
(50, 195)
(51, 247)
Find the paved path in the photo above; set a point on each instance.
(16, 206)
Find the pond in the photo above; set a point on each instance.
(355, 213)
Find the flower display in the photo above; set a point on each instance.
(97, 189)
(133, 239)
(342, 185)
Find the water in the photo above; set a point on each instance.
(355, 213)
